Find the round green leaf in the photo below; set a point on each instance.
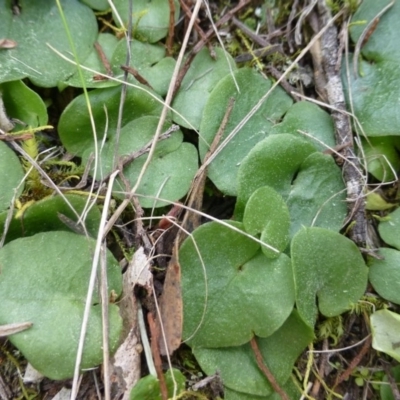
(384, 274)
(385, 327)
(204, 73)
(374, 91)
(23, 104)
(46, 215)
(224, 169)
(44, 280)
(309, 118)
(267, 213)
(150, 18)
(11, 175)
(36, 27)
(238, 367)
(327, 266)
(75, 129)
(390, 230)
(246, 293)
(272, 162)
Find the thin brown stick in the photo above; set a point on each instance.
(156, 355)
(196, 26)
(171, 29)
(321, 370)
(250, 33)
(11, 137)
(134, 72)
(266, 371)
(103, 58)
(354, 362)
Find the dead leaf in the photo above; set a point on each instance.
(126, 366)
(171, 309)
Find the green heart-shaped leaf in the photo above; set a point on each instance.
(48, 288)
(37, 26)
(223, 170)
(231, 291)
(327, 266)
(308, 181)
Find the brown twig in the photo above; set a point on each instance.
(136, 74)
(170, 37)
(196, 26)
(251, 34)
(11, 137)
(156, 356)
(354, 362)
(351, 167)
(103, 58)
(266, 371)
(321, 370)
